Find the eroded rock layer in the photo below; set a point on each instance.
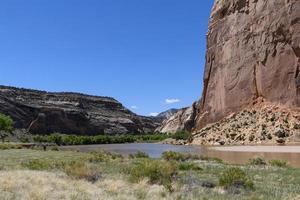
(70, 113)
(253, 52)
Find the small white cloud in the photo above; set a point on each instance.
(154, 114)
(134, 107)
(172, 101)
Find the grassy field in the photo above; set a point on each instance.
(43, 175)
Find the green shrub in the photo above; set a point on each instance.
(257, 161)
(235, 177)
(278, 163)
(56, 138)
(139, 154)
(156, 171)
(6, 126)
(82, 170)
(182, 135)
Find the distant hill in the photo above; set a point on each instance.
(43, 112)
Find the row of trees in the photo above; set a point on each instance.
(61, 139)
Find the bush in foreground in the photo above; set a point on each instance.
(156, 171)
(82, 170)
(235, 177)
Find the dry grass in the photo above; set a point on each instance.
(37, 185)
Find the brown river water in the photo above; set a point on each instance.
(242, 154)
(229, 154)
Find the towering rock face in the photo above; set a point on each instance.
(70, 113)
(253, 54)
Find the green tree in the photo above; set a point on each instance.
(6, 126)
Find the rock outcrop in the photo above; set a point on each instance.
(263, 123)
(182, 120)
(70, 113)
(253, 52)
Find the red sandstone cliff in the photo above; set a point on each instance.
(253, 52)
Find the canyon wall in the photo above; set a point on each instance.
(253, 55)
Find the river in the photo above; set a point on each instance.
(232, 155)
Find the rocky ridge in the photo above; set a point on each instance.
(43, 112)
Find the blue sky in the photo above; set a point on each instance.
(148, 54)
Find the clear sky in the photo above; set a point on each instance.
(148, 54)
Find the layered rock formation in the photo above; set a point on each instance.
(182, 120)
(253, 52)
(70, 113)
